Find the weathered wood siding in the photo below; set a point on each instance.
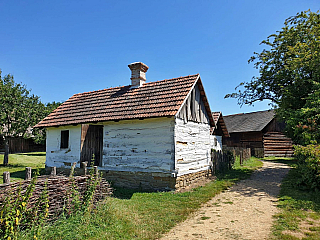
(91, 143)
(57, 157)
(22, 145)
(277, 144)
(139, 145)
(192, 146)
(192, 136)
(193, 108)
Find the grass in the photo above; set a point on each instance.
(18, 163)
(141, 215)
(299, 216)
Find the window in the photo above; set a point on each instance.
(64, 139)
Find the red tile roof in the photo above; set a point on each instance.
(219, 121)
(154, 99)
(216, 116)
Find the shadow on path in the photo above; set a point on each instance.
(265, 181)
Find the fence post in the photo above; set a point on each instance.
(84, 164)
(72, 169)
(53, 171)
(216, 162)
(95, 170)
(28, 173)
(6, 177)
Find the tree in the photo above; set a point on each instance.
(289, 76)
(19, 111)
(39, 134)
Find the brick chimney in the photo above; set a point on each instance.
(138, 74)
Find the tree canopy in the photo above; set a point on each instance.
(289, 76)
(20, 111)
(39, 135)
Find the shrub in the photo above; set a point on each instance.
(27, 206)
(308, 166)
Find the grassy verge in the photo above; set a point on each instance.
(299, 216)
(18, 163)
(141, 215)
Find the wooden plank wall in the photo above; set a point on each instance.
(277, 144)
(91, 143)
(194, 108)
(21, 145)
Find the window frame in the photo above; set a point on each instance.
(64, 139)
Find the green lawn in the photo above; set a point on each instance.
(299, 216)
(141, 215)
(18, 163)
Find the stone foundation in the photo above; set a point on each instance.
(141, 180)
(191, 178)
(145, 180)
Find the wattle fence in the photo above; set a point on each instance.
(60, 190)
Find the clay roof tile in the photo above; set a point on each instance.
(154, 99)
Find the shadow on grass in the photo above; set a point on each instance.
(17, 165)
(290, 161)
(126, 193)
(36, 154)
(293, 197)
(22, 173)
(291, 194)
(18, 174)
(235, 174)
(231, 175)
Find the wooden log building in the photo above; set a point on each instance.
(259, 131)
(149, 135)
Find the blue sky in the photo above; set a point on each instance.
(60, 48)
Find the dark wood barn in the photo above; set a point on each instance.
(259, 131)
(22, 145)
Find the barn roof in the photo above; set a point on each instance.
(248, 122)
(219, 120)
(154, 99)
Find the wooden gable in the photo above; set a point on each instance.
(194, 108)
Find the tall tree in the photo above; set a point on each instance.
(39, 134)
(20, 110)
(289, 76)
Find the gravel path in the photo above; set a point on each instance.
(242, 212)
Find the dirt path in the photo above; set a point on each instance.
(241, 212)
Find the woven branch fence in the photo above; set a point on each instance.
(59, 191)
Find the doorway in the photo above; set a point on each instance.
(91, 144)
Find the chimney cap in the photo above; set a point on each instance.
(138, 65)
(138, 74)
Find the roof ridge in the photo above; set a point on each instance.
(236, 114)
(145, 84)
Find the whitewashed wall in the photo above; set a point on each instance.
(218, 141)
(139, 145)
(192, 146)
(155, 145)
(56, 157)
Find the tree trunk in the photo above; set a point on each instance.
(6, 152)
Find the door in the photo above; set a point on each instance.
(91, 144)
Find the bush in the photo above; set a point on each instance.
(308, 166)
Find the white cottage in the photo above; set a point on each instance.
(151, 135)
(218, 132)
